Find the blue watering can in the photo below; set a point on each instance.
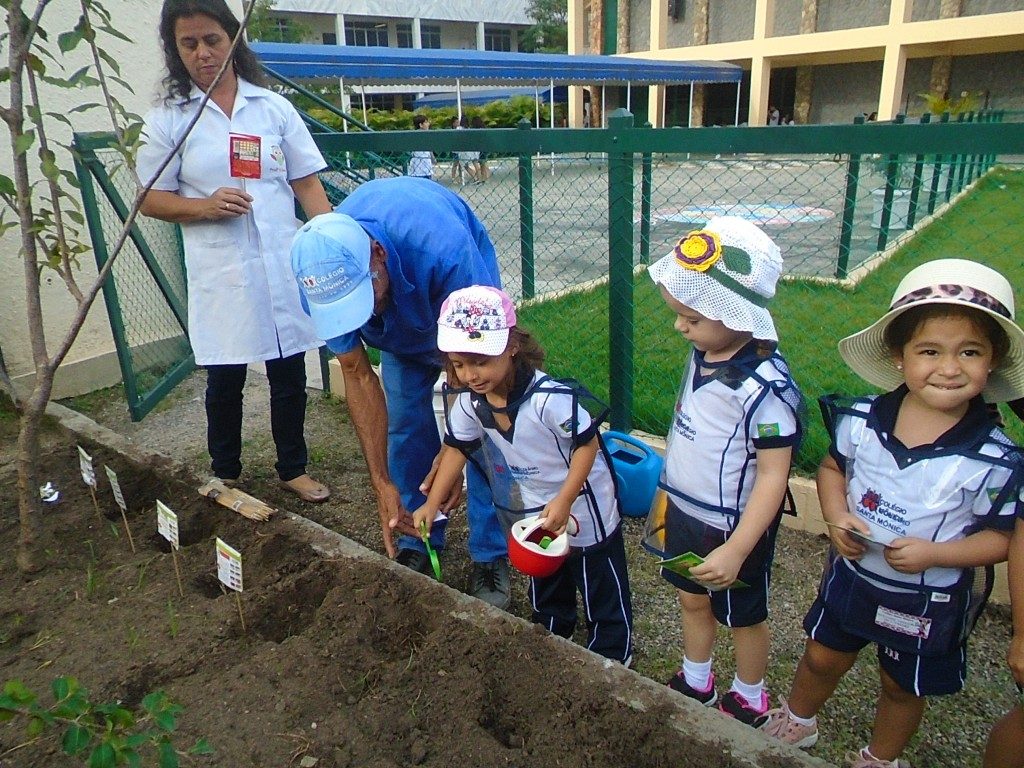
(637, 468)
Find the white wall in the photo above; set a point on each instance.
(91, 362)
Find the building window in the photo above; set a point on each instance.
(403, 36)
(497, 39)
(366, 33)
(330, 38)
(430, 35)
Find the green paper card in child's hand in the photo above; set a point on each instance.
(682, 564)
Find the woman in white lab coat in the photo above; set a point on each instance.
(243, 302)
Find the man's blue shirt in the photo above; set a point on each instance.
(435, 245)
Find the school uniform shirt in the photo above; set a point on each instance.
(721, 419)
(967, 480)
(547, 424)
(243, 301)
(435, 245)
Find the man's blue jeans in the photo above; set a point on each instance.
(413, 443)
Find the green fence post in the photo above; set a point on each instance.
(646, 174)
(892, 168)
(527, 266)
(915, 186)
(961, 160)
(620, 275)
(849, 209)
(950, 169)
(933, 193)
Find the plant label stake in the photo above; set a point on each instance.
(167, 526)
(229, 571)
(89, 477)
(119, 498)
(245, 163)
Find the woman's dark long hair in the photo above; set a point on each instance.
(178, 84)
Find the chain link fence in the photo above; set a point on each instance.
(576, 215)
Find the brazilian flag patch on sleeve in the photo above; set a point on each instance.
(768, 430)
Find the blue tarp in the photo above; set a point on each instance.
(365, 65)
(450, 98)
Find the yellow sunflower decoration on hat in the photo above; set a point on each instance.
(698, 251)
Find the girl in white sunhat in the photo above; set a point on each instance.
(536, 439)
(919, 489)
(727, 461)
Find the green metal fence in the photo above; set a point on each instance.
(575, 214)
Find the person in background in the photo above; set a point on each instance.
(919, 490)
(727, 461)
(508, 413)
(243, 304)
(483, 173)
(375, 273)
(421, 163)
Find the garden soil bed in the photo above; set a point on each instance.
(345, 659)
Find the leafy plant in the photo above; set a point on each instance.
(102, 735)
(940, 103)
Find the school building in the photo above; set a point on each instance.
(455, 24)
(812, 61)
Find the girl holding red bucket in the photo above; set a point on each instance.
(538, 444)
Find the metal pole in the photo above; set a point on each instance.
(526, 257)
(620, 278)
(629, 97)
(736, 118)
(689, 112)
(458, 97)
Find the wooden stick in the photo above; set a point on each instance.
(95, 504)
(241, 616)
(128, 530)
(177, 571)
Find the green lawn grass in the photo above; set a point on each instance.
(987, 225)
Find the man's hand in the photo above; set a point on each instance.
(454, 495)
(393, 517)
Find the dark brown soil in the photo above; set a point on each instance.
(346, 659)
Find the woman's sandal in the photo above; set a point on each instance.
(307, 489)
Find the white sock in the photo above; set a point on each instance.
(749, 691)
(810, 722)
(697, 674)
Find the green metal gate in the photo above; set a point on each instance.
(145, 293)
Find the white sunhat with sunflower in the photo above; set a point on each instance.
(726, 271)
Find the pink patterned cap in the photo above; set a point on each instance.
(476, 320)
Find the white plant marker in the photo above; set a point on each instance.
(89, 477)
(119, 498)
(229, 571)
(167, 526)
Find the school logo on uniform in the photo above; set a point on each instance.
(768, 430)
(309, 281)
(870, 500)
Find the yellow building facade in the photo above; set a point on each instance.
(811, 61)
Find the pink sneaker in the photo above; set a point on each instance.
(779, 724)
(734, 705)
(707, 697)
(864, 759)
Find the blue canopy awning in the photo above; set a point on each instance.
(365, 65)
(451, 98)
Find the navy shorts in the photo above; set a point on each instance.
(741, 607)
(919, 675)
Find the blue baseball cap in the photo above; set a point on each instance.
(331, 262)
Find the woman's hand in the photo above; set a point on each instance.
(227, 203)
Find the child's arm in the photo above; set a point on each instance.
(723, 563)
(1015, 577)
(556, 512)
(448, 469)
(912, 555)
(831, 481)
